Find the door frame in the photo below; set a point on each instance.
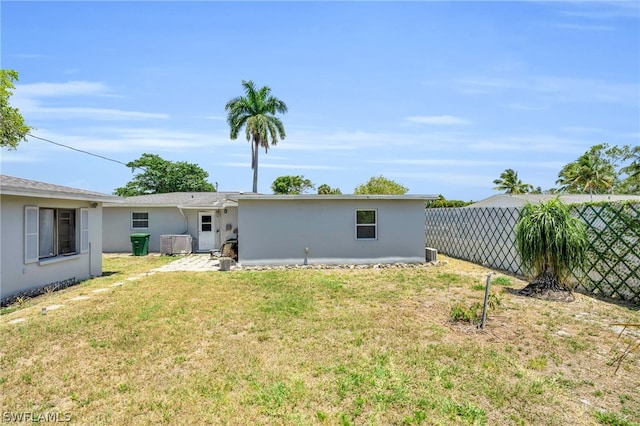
(214, 230)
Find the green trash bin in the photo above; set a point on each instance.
(140, 244)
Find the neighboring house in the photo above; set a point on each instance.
(276, 229)
(518, 200)
(209, 217)
(51, 235)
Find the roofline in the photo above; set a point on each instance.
(61, 195)
(423, 197)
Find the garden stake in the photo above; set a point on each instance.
(486, 301)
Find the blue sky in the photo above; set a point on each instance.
(438, 96)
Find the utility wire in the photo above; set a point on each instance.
(79, 150)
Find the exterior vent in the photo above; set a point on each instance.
(175, 244)
(431, 254)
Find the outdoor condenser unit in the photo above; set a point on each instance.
(430, 254)
(175, 244)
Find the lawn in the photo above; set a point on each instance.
(304, 347)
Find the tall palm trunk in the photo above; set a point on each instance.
(254, 164)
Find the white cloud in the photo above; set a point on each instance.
(438, 180)
(435, 162)
(28, 98)
(71, 88)
(582, 27)
(34, 111)
(557, 89)
(283, 166)
(446, 120)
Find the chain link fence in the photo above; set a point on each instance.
(486, 236)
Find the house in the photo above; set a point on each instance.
(210, 218)
(278, 229)
(519, 200)
(51, 235)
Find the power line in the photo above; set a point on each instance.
(80, 150)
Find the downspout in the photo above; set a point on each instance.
(186, 222)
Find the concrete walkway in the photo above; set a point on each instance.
(192, 262)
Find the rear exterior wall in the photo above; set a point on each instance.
(276, 232)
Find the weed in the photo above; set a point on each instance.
(612, 419)
(502, 281)
(471, 314)
(50, 289)
(22, 301)
(538, 363)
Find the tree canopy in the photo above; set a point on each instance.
(325, 189)
(510, 183)
(12, 126)
(160, 176)
(381, 185)
(255, 112)
(594, 172)
(442, 202)
(291, 185)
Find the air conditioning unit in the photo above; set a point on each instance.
(431, 254)
(175, 244)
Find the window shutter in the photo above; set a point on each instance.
(30, 234)
(84, 230)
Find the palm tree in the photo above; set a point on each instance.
(633, 169)
(551, 243)
(510, 183)
(256, 113)
(590, 173)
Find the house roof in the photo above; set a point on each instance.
(517, 200)
(219, 200)
(10, 185)
(260, 197)
(184, 200)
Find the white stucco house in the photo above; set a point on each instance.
(277, 229)
(51, 235)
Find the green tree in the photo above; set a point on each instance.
(442, 202)
(325, 189)
(631, 183)
(380, 185)
(255, 112)
(551, 243)
(12, 125)
(594, 172)
(160, 176)
(510, 183)
(291, 185)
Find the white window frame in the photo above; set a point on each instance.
(373, 225)
(133, 220)
(84, 230)
(32, 234)
(31, 244)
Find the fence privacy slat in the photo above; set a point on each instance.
(486, 236)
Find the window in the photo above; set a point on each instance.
(366, 225)
(139, 220)
(53, 232)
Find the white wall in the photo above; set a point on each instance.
(117, 227)
(162, 221)
(277, 231)
(15, 275)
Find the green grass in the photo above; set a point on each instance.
(304, 347)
